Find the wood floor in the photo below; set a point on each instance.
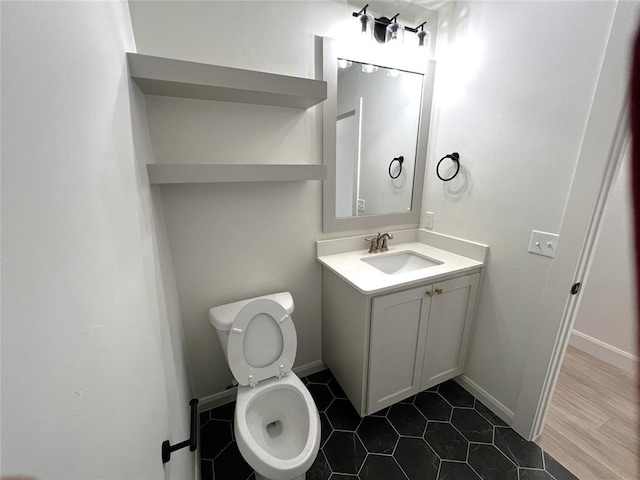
(592, 423)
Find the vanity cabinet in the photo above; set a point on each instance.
(385, 348)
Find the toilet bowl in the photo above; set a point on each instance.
(277, 425)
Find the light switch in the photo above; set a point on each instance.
(543, 243)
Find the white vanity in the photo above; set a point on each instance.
(397, 322)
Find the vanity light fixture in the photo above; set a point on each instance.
(389, 30)
(342, 63)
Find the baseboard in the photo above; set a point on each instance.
(603, 351)
(309, 368)
(228, 396)
(481, 394)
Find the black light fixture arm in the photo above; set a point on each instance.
(192, 442)
(386, 21)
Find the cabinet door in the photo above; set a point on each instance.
(448, 330)
(396, 354)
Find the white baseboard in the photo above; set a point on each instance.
(481, 394)
(605, 352)
(227, 396)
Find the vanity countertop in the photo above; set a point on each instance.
(369, 280)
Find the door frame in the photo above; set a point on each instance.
(592, 184)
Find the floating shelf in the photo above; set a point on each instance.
(177, 78)
(207, 173)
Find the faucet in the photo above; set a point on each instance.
(379, 242)
(382, 241)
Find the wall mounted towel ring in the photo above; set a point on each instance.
(400, 160)
(455, 156)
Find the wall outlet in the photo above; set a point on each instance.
(361, 204)
(543, 243)
(429, 218)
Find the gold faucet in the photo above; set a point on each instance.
(379, 242)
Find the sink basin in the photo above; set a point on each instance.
(401, 262)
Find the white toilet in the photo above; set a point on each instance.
(277, 426)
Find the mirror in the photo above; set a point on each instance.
(375, 128)
(378, 113)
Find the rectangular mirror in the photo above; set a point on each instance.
(375, 133)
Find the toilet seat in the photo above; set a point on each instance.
(271, 318)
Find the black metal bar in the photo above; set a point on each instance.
(192, 442)
(385, 21)
(194, 424)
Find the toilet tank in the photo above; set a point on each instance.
(223, 316)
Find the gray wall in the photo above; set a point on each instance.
(607, 311)
(93, 370)
(514, 87)
(235, 241)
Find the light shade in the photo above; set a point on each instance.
(395, 33)
(424, 38)
(366, 25)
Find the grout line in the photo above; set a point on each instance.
(452, 405)
(363, 462)
(395, 446)
(401, 469)
(474, 470)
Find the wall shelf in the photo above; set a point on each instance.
(208, 173)
(178, 78)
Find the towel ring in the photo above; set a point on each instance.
(455, 156)
(400, 160)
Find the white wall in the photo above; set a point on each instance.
(605, 323)
(514, 86)
(93, 373)
(235, 241)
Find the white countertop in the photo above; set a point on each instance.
(369, 280)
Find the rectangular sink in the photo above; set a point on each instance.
(401, 262)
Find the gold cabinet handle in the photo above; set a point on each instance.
(429, 293)
(439, 291)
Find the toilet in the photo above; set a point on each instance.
(277, 425)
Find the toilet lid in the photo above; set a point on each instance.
(262, 342)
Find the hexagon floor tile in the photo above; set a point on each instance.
(440, 434)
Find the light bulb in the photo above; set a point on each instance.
(368, 68)
(342, 63)
(392, 72)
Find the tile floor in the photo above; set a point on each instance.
(442, 434)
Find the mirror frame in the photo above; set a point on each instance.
(331, 51)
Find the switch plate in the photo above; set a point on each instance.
(543, 243)
(429, 219)
(361, 205)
